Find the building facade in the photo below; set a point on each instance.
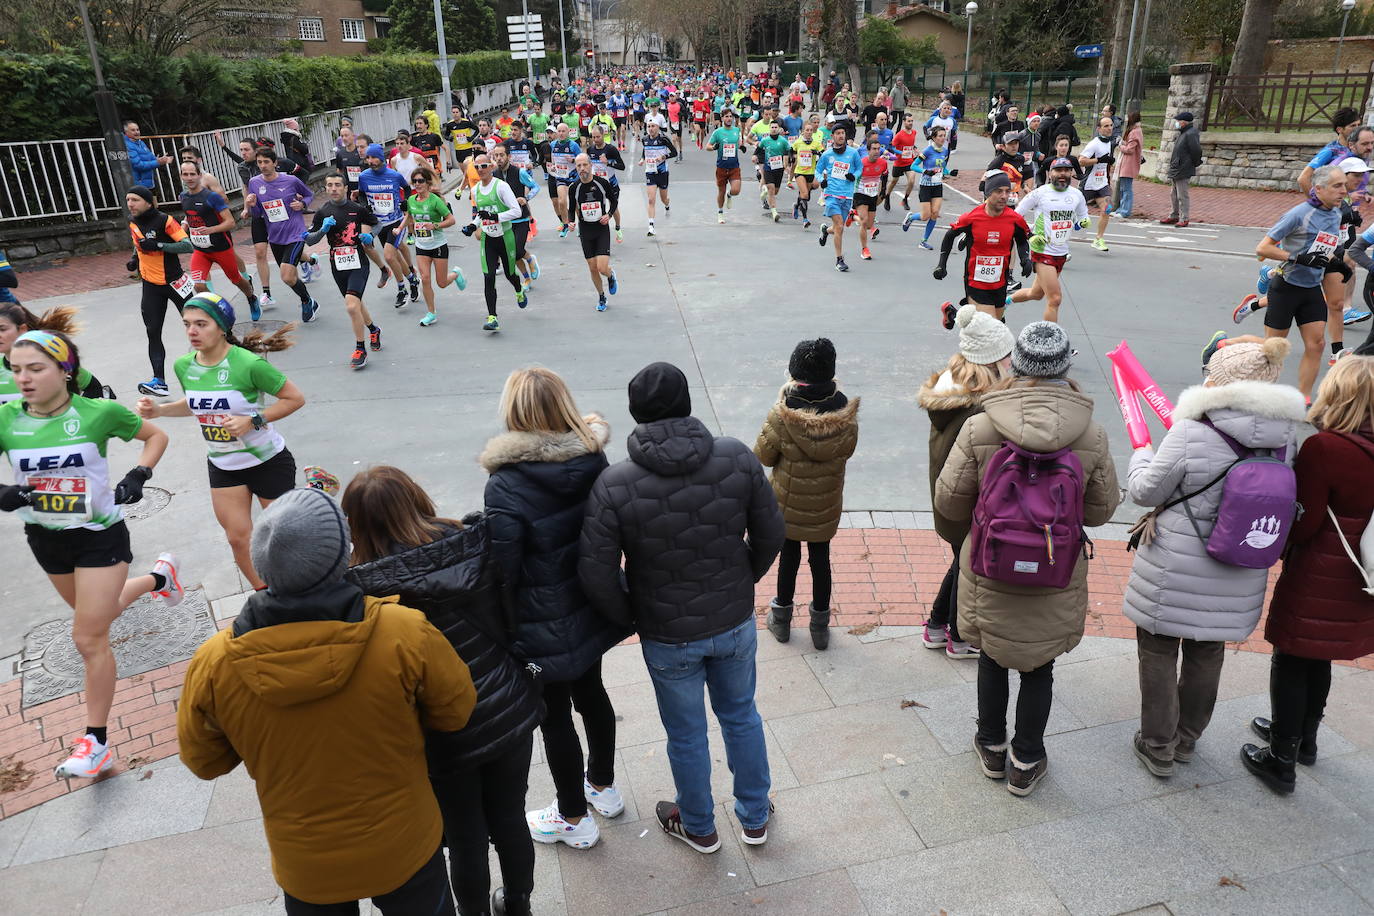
(337, 27)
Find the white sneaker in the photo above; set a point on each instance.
(88, 760)
(548, 826)
(607, 801)
(166, 566)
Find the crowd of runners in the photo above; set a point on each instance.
(382, 215)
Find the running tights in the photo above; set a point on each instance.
(497, 259)
(154, 307)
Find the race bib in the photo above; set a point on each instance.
(908, 152)
(839, 171)
(774, 163)
(276, 211)
(599, 169)
(1325, 243)
(620, 112)
(200, 238)
(869, 187)
(213, 432)
(59, 500)
(492, 227)
(520, 156)
(383, 202)
(727, 151)
(346, 258)
(1059, 231)
(561, 163)
(804, 158)
(353, 172)
(422, 233)
(988, 268)
(1099, 174)
(591, 211)
(653, 156)
(184, 286)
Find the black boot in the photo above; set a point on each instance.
(780, 620)
(820, 627)
(1307, 750)
(1274, 765)
(514, 905)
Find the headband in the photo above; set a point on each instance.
(54, 346)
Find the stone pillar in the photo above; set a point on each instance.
(1187, 92)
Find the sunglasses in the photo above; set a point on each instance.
(419, 181)
(484, 165)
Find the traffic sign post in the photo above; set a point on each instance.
(1087, 51)
(526, 37)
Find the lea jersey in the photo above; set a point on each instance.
(806, 152)
(604, 159)
(158, 267)
(63, 459)
(989, 253)
(202, 211)
(1052, 215)
(385, 191)
(233, 387)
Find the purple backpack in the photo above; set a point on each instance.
(1028, 521)
(1259, 501)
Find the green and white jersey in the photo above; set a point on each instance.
(9, 388)
(233, 387)
(430, 210)
(63, 459)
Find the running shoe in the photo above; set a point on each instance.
(957, 649)
(612, 284)
(866, 254)
(309, 309)
(720, 217)
(166, 567)
(825, 235)
(428, 320)
(414, 288)
(304, 268)
(607, 801)
(1013, 285)
(89, 759)
(317, 478)
(548, 826)
(729, 200)
(1353, 315)
(841, 266)
(491, 324)
(359, 358)
(927, 246)
(670, 819)
(534, 229)
(374, 338)
(906, 204)
(266, 301)
(401, 299)
(776, 217)
(887, 203)
(619, 235)
(1168, 220)
(534, 269)
(563, 231)
(947, 313)
(650, 233)
(522, 298)
(763, 191)
(1265, 273)
(383, 277)
(1182, 224)
(601, 303)
(849, 220)
(876, 230)
(1247, 305)
(1331, 360)
(806, 224)
(1099, 244)
(254, 308)
(796, 211)
(907, 221)
(459, 280)
(1216, 343)
(154, 387)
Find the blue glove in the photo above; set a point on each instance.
(305, 233)
(329, 223)
(366, 238)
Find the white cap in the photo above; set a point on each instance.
(1353, 164)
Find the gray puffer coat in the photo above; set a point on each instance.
(1175, 588)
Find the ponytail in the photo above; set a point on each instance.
(58, 320)
(256, 341)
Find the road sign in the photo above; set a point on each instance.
(532, 55)
(1086, 51)
(516, 20)
(439, 65)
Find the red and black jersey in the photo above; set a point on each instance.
(989, 250)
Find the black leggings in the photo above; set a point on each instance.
(944, 610)
(1298, 688)
(156, 296)
(563, 748)
(487, 803)
(1032, 708)
(497, 259)
(426, 893)
(818, 558)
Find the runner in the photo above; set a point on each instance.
(521, 181)
(619, 105)
(772, 154)
(562, 152)
(384, 191)
(989, 232)
(725, 142)
(1098, 154)
(209, 221)
(56, 441)
(157, 239)
(701, 113)
(606, 161)
(944, 117)
(930, 195)
(460, 130)
(346, 224)
(279, 200)
(595, 200)
(872, 181)
(658, 149)
(1305, 241)
(497, 206)
(675, 121)
(1343, 123)
(193, 154)
(1011, 162)
(226, 384)
(806, 149)
(1057, 209)
(427, 216)
(839, 169)
(404, 157)
(537, 126)
(904, 142)
(430, 144)
(247, 161)
(15, 321)
(349, 161)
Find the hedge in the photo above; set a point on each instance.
(49, 96)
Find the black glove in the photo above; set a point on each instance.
(149, 245)
(953, 173)
(1338, 254)
(487, 216)
(1312, 259)
(1026, 267)
(130, 489)
(132, 264)
(849, 176)
(1106, 160)
(468, 230)
(939, 273)
(964, 239)
(13, 497)
(930, 171)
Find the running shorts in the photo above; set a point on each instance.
(289, 253)
(639, 116)
(393, 234)
(521, 231)
(929, 192)
(1057, 261)
(463, 155)
(438, 254)
(899, 170)
(201, 261)
(1103, 192)
(773, 177)
(60, 553)
(352, 282)
(553, 188)
(996, 298)
(865, 200)
(838, 206)
(596, 240)
(619, 122)
(725, 176)
(259, 230)
(1289, 305)
(268, 480)
(656, 179)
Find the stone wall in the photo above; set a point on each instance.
(1187, 92)
(46, 242)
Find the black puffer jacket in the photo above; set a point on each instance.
(453, 583)
(536, 498)
(698, 524)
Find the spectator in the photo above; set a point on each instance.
(9, 279)
(1129, 159)
(956, 98)
(325, 695)
(1183, 163)
(1009, 121)
(141, 159)
(1109, 111)
(897, 97)
(294, 147)
(698, 525)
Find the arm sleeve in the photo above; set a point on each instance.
(1153, 476)
(1021, 237)
(230, 153)
(672, 150)
(1358, 250)
(612, 196)
(315, 233)
(527, 179)
(446, 696)
(947, 244)
(203, 746)
(599, 551)
(765, 522)
(614, 159)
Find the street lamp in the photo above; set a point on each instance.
(1346, 5)
(969, 10)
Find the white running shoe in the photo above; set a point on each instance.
(166, 566)
(548, 826)
(607, 801)
(88, 760)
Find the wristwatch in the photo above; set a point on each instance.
(258, 421)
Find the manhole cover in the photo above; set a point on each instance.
(147, 635)
(265, 325)
(155, 499)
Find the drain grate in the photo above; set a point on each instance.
(147, 635)
(154, 500)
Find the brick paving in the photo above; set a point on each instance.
(882, 577)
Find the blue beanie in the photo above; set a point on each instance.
(375, 151)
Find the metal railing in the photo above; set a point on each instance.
(1282, 101)
(71, 179)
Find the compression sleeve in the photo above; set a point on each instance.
(948, 243)
(1358, 251)
(672, 150)
(612, 195)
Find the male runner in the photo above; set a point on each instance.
(385, 190)
(430, 144)
(1052, 211)
(868, 191)
(209, 222)
(619, 106)
(725, 141)
(1011, 162)
(658, 149)
(563, 151)
(346, 223)
(991, 230)
(157, 240)
(497, 206)
(904, 142)
(606, 161)
(520, 178)
(279, 200)
(459, 129)
(1098, 155)
(595, 200)
(771, 154)
(839, 169)
(701, 112)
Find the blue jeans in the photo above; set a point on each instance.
(724, 664)
(1126, 186)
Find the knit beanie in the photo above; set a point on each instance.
(982, 339)
(813, 361)
(1255, 362)
(301, 543)
(143, 192)
(1041, 351)
(658, 392)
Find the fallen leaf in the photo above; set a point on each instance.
(863, 629)
(147, 774)
(1194, 267)
(135, 762)
(907, 704)
(14, 774)
(1230, 882)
